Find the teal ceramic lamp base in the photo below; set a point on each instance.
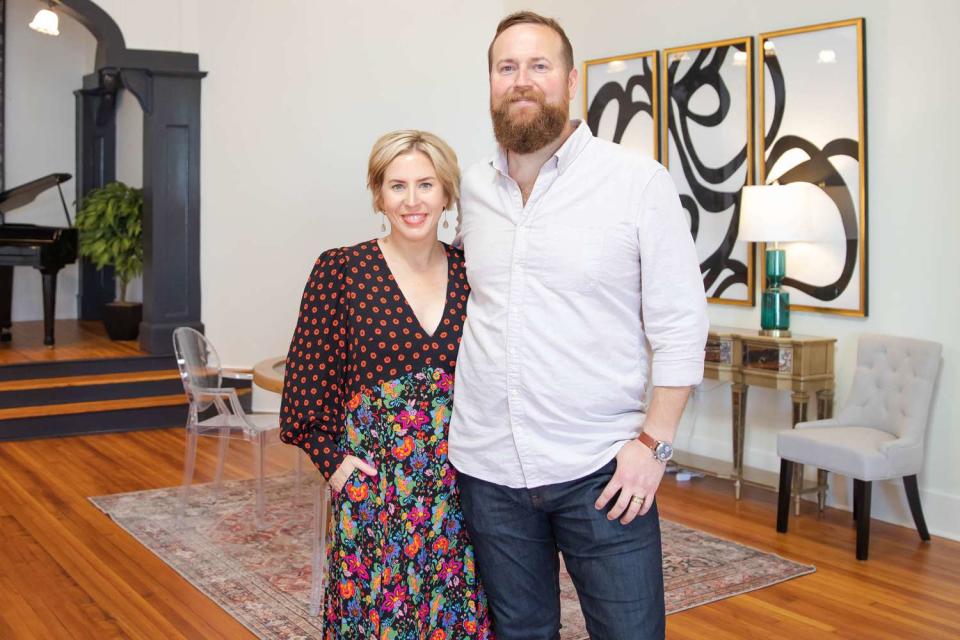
(775, 302)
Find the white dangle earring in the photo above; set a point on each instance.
(383, 222)
(446, 224)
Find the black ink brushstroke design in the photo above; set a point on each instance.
(702, 179)
(627, 108)
(819, 171)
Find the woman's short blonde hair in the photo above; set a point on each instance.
(397, 143)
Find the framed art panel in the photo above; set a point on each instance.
(708, 149)
(812, 97)
(620, 101)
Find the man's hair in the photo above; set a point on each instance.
(397, 143)
(529, 17)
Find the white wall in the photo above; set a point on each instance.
(164, 25)
(42, 73)
(297, 93)
(912, 212)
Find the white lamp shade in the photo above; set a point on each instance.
(47, 22)
(780, 213)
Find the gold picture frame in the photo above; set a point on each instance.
(726, 142)
(624, 75)
(824, 135)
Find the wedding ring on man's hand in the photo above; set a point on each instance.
(637, 500)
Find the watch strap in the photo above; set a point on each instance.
(648, 441)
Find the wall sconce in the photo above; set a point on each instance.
(46, 22)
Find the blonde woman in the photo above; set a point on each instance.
(368, 395)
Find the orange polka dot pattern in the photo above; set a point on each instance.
(355, 330)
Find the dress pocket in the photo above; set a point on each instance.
(569, 258)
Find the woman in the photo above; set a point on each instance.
(367, 394)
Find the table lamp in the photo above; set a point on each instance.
(776, 213)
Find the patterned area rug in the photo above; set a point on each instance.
(262, 578)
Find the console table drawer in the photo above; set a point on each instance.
(719, 351)
(778, 359)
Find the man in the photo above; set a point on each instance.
(581, 266)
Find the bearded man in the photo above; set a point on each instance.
(585, 294)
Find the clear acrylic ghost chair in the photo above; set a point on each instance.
(320, 530)
(202, 377)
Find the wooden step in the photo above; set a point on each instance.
(71, 368)
(98, 406)
(103, 416)
(37, 411)
(89, 384)
(87, 380)
(88, 388)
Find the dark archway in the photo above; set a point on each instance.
(167, 86)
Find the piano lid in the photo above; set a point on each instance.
(26, 193)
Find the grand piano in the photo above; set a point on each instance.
(48, 249)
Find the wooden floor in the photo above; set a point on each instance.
(75, 340)
(67, 572)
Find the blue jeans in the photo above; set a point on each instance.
(616, 569)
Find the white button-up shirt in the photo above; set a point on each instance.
(579, 298)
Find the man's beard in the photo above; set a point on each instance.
(527, 133)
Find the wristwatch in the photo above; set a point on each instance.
(662, 451)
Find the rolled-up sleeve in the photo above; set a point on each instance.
(311, 409)
(673, 303)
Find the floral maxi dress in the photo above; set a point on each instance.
(365, 379)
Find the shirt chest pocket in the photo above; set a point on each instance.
(567, 258)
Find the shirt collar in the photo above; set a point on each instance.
(563, 156)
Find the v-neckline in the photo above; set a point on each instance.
(446, 292)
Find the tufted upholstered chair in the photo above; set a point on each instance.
(879, 433)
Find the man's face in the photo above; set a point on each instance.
(530, 88)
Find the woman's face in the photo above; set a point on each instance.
(412, 197)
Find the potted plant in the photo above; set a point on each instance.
(110, 221)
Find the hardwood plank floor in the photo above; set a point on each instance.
(66, 571)
(75, 340)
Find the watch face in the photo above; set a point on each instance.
(664, 451)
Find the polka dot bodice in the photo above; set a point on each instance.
(355, 332)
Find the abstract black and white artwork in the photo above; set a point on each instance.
(813, 130)
(620, 101)
(708, 149)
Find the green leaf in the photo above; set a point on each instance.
(110, 222)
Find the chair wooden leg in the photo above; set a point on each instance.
(913, 497)
(783, 497)
(856, 500)
(863, 519)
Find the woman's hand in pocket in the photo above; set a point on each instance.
(346, 469)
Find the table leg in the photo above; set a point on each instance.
(824, 404)
(821, 489)
(738, 416)
(824, 412)
(800, 400)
